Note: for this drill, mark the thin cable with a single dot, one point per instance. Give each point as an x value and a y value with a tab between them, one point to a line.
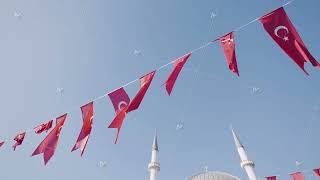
104	95
256	19
289	2
201	47
245	25
163	66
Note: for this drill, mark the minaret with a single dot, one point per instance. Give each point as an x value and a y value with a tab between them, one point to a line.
246	164
154	165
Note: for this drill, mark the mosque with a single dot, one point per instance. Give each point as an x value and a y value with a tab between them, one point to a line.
246	164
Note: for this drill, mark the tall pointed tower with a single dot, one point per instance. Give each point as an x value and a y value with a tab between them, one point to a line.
154	165
246	164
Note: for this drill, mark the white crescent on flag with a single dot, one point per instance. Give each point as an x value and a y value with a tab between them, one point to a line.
119	99
122	104
276	30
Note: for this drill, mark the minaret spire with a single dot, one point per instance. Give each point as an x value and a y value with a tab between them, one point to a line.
154	165
236	139
155	142
246	164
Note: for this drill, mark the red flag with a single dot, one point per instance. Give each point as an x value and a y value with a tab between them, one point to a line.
19	139
49	144
87	116
1	144
271	178
119	99
280	28
297	176
178	65
145	82
117	121
228	44
317	171
43	127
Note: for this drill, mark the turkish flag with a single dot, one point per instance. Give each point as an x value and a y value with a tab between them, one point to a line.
178	65
1	144
317	171
297	176
271	178
282	31
43	127
50	143
87	116
19	139
119	99
228	44
145	82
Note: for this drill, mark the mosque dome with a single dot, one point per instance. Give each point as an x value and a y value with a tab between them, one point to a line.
213	175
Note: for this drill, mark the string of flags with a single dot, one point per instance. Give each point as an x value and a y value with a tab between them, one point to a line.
296	175
276	23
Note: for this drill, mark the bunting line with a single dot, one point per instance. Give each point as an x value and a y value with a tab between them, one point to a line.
169	63
163	66
309	171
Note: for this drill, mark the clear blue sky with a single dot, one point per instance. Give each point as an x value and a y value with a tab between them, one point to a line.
86	47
